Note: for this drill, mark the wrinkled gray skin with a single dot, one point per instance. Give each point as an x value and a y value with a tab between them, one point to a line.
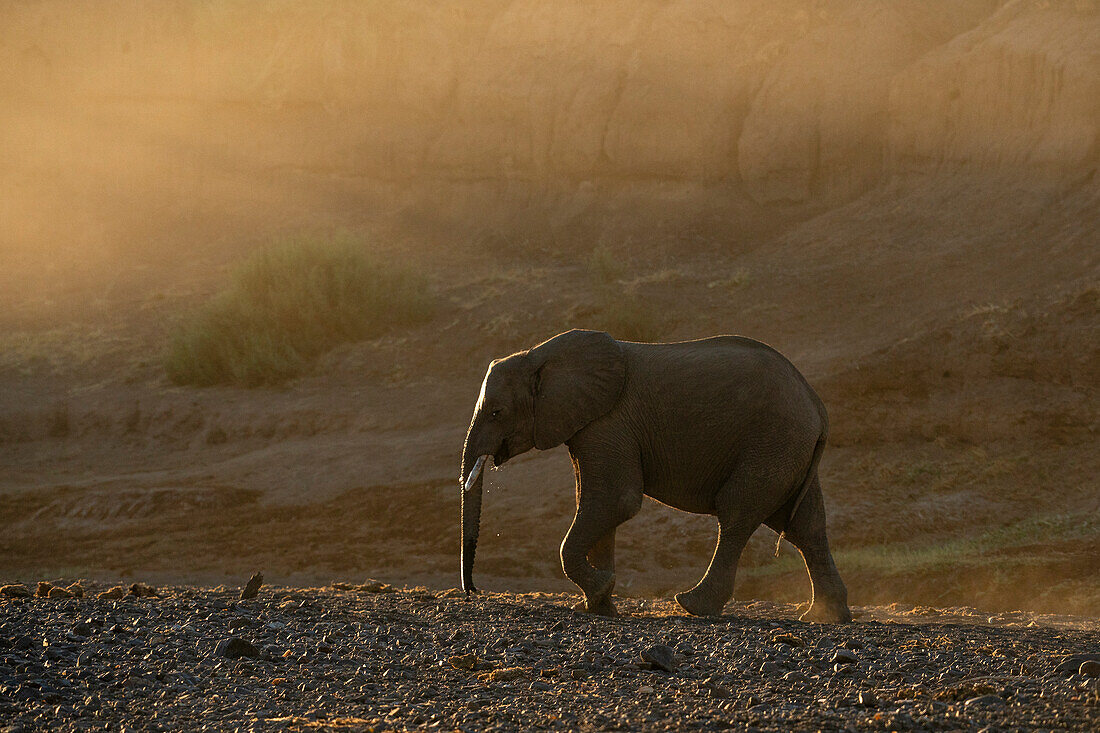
723	426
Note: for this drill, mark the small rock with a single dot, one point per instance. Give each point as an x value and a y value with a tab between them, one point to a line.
15	590
506	674
844	656
788	639
44	589
867	699
660	656
376	586
1089	668
985	701
794	677
1071	663
142	591
83	629
463	661
645	690
717	691
113	594
235	647
253	587
541	686
76	589
58	592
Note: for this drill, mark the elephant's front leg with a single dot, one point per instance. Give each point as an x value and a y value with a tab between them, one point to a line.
605	499
591	564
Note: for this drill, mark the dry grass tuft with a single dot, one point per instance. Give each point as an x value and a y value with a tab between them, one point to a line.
288	303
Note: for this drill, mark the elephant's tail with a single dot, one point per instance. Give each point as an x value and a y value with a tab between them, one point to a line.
806	483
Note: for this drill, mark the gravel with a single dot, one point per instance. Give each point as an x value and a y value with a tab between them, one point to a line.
373	657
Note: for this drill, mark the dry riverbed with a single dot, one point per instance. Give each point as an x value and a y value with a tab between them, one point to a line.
372	658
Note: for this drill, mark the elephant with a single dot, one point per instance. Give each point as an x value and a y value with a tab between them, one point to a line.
724	426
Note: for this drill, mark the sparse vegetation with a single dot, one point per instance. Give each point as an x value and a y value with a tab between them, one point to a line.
990	548
603	267
288	303
629	316
736	280
621	309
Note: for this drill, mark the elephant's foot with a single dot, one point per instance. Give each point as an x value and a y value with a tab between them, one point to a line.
597	599
602	607
700	603
823	612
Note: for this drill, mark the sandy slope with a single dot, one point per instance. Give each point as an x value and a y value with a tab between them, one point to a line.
903	200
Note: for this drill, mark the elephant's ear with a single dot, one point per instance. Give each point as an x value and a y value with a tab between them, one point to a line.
578	377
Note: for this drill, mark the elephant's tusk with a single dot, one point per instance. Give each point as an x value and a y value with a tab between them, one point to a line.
479	464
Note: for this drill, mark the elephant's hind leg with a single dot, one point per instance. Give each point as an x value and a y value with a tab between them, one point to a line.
829	602
711	594
750	495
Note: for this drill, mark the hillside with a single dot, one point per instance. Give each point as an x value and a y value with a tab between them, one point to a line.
903	199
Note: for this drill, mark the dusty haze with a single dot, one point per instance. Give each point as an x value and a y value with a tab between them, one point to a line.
900	196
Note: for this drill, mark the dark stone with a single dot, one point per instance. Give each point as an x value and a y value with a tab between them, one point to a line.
142	591
253	587
235	647
844	656
660	656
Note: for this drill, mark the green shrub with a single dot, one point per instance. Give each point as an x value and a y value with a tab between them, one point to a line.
288	303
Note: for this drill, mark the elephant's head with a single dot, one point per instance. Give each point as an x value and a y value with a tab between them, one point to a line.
534	399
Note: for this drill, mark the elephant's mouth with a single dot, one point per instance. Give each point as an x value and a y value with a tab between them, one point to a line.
503	454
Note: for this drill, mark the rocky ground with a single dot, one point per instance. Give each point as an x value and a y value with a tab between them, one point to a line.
370	657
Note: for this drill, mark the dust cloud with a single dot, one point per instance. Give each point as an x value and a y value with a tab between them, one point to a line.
902	196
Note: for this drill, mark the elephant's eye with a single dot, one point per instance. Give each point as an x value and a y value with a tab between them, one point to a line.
494	413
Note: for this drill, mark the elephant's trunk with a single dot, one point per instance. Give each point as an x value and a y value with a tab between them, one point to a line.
471	516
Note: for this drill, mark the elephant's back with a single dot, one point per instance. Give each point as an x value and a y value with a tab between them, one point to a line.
718	365
702	408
